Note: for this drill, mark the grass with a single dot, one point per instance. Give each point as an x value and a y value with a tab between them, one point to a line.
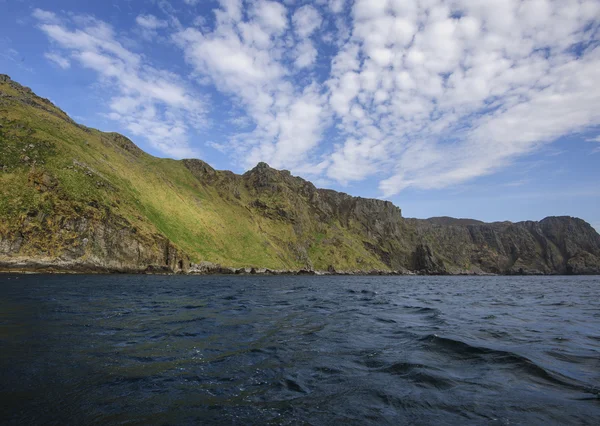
95	177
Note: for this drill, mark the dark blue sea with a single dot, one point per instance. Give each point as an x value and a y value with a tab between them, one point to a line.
177	350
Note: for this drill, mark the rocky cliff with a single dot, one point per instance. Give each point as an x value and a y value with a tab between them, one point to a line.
77	199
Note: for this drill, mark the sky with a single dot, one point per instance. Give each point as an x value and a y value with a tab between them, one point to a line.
465	108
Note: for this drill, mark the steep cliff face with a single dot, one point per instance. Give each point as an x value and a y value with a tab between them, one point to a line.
87	244
443	245
76	199
554	245
52	231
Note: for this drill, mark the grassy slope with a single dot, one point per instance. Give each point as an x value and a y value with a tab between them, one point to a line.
89	169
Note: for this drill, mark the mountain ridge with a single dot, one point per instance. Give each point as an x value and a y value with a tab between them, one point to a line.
75	199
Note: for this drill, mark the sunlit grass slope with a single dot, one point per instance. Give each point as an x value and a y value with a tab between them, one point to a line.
53	169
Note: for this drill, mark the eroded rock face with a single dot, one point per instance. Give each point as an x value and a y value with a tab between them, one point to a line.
546	247
77	212
125	143
201	170
556	245
424	260
88	245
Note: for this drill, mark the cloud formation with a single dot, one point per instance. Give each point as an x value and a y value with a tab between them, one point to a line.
59	60
150	22
248	59
418	94
149	102
440	92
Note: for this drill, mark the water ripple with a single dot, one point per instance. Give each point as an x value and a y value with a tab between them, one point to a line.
299	350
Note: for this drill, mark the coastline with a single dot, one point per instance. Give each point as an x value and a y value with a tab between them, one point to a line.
209	269
75	200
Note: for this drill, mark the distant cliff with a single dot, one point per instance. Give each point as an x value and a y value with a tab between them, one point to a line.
77	199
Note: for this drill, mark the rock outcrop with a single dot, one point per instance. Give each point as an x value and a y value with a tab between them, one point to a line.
74	199
87	243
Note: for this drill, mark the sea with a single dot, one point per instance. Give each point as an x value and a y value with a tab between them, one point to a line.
299	350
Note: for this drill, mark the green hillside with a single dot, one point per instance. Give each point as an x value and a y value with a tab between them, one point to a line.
78	199
55	171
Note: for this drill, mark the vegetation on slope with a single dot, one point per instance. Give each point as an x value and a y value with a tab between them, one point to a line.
54	170
84	199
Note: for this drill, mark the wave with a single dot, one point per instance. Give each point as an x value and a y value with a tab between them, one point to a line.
422	309
185	321
464	351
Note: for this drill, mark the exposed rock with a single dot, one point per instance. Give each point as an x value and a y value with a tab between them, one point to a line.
42	181
125	143
451	221
95	215
209	268
583	264
201	170
424	260
89	245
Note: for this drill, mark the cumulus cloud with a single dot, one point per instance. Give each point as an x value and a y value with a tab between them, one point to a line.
306	55
149	102
336	6
415	94
271	15
245	58
439	92
306	20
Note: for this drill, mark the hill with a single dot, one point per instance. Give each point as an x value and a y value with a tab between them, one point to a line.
78	199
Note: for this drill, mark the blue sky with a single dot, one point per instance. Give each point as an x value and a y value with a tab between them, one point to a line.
489	110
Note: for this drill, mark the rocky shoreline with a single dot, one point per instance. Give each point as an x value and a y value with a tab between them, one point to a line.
211	269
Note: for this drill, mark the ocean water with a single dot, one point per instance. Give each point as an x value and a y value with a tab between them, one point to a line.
170	350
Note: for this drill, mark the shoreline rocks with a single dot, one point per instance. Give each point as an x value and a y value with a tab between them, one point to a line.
26	266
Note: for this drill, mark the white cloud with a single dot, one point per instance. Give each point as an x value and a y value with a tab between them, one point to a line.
148	102
149	25
440	92
45	16
271	15
306	55
336	6
245	58
306	20
150	22
423	94
241	121
59	60
222	148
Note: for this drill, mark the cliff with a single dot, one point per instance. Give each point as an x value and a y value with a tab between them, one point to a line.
77	199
